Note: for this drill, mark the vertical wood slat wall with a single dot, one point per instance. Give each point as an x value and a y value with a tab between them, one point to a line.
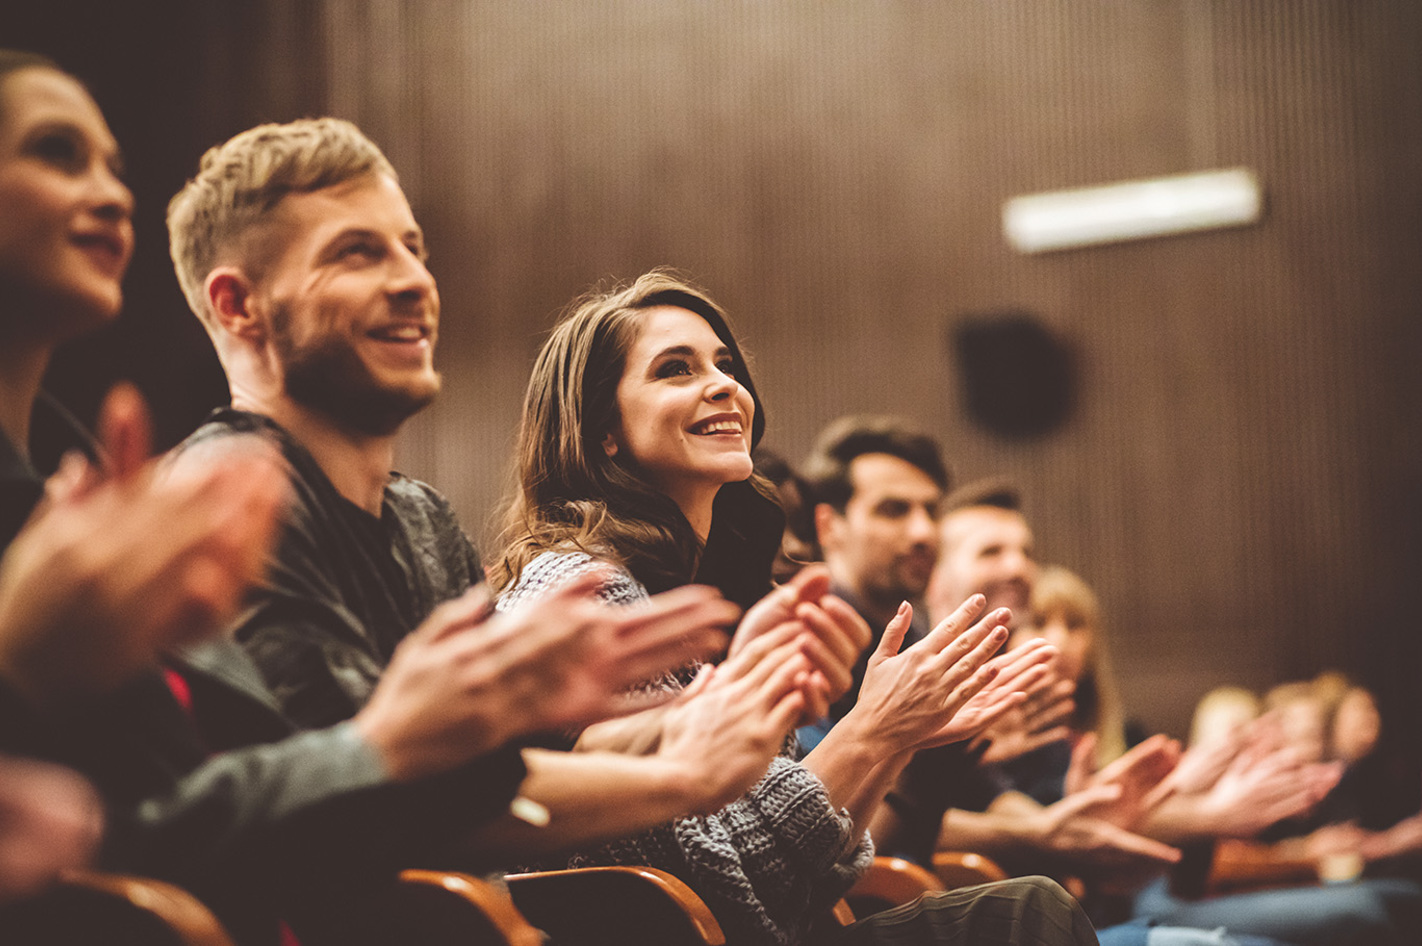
1240	477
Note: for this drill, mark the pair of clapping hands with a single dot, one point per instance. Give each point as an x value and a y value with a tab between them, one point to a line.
793	655
124	561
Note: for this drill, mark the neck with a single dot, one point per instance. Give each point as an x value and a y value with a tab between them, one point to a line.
22	367
358	465
697	506
877	610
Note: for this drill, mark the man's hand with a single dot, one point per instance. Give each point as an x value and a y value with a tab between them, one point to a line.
1018	672
1091	845
1259	788
116	567
50	821
1142	775
466	682
1038	721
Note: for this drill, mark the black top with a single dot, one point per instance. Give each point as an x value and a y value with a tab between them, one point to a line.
344	587
936	779
276	823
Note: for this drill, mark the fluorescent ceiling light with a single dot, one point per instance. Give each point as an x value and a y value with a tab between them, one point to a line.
1132	210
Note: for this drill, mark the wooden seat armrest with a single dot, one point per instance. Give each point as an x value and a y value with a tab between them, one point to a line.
445	907
614	905
92	906
964	868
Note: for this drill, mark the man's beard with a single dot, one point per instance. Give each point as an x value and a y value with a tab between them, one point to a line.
329	377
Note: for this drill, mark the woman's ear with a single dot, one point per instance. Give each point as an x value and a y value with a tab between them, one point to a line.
609	444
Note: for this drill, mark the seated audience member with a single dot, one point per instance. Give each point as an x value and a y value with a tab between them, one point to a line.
635	463
1222	716
877	485
1233	791
300	255
1352	830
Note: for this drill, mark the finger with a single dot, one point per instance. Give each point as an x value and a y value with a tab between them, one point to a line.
74	478
1135	845
894	633
953	625
1035	654
969	653
693	604
1074	804
786	713
811	583
817	697
125	431
756	651
473	607
785	659
850	621
837	677
1083	762
997	709
670	651
841	628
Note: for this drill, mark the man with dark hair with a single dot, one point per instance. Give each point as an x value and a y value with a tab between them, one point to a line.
876	484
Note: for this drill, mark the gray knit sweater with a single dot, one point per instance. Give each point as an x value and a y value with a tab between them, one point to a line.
767	863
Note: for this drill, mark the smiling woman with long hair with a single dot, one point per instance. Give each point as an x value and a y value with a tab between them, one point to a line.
66	236
670	503
634	459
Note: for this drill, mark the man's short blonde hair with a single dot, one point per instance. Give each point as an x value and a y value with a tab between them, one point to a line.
240	182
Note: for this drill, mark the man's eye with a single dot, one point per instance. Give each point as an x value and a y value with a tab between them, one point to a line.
360	250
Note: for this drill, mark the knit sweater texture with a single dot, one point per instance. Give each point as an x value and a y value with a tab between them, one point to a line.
767	863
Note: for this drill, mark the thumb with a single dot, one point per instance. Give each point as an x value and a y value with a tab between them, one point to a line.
894	634
125	431
1083	763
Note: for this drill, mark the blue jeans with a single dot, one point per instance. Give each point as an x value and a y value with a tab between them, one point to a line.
1369	912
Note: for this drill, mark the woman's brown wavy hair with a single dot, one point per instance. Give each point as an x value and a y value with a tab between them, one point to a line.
572	495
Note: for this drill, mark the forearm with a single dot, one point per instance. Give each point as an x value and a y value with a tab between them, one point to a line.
589	797
1179	819
637	734
1007	829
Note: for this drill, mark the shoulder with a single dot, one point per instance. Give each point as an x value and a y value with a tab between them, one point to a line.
553	569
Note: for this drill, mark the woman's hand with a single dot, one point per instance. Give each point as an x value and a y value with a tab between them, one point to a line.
908	700
735	721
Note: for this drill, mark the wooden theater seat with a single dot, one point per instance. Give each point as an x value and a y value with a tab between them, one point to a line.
963	869
603	906
113	909
444	908
889	882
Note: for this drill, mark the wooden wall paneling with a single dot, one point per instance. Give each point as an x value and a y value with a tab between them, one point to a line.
1245	422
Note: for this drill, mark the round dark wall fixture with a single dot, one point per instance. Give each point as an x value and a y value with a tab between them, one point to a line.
1019	378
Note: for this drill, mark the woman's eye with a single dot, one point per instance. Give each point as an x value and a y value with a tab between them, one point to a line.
674	368
59	150
728	366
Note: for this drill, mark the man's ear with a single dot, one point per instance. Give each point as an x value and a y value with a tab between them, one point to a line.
609	444
827	526
229	298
